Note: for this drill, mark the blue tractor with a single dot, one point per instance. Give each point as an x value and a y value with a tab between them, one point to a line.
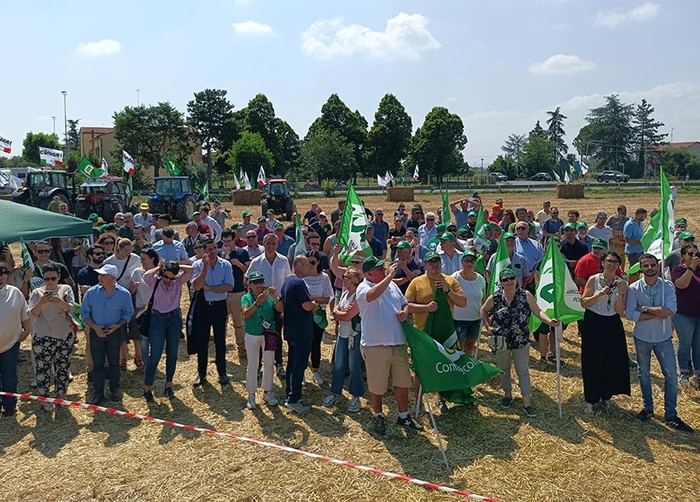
173	195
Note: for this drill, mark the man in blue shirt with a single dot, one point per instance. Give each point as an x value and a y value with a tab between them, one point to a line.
531	250
651	302
375	244
106	309
284	241
633	232
214	276
381	228
170	249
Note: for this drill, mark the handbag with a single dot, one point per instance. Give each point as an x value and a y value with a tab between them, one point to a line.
144	320
270	340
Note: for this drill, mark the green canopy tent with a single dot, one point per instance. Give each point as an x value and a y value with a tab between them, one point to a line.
32	224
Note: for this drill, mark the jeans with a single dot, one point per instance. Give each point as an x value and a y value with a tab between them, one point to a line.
347	358
109	347
254	344
297	360
8	375
521	358
688	330
316	348
215	317
164	332
667	361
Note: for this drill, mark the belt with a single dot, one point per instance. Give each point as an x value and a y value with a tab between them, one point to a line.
214	302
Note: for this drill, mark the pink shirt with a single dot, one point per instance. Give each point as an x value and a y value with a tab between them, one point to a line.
167	296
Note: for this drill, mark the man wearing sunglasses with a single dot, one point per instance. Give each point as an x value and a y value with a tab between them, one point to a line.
42	250
15	326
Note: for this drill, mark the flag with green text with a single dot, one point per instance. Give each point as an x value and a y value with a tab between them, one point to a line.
171	168
87	169
353	226
481	243
501	261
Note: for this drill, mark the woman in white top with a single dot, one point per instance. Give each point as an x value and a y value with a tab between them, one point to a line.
143	292
53	335
468	319
604	358
321	291
347	355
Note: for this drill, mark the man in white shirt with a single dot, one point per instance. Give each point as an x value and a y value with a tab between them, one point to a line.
144	218
427	230
254	249
600	230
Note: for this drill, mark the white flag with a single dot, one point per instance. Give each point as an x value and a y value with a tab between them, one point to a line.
584	168
105	167
50	157
5	145
556	176
567	178
381	181
128	162
246	182
236	182
416	173
388	177
262	181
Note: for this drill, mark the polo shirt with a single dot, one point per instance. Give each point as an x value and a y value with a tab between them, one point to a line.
412	266
422	291
218	275
574	251
531	250
517	263
604	233
425	234
284	245
298	323
171	252
450	265
104	309
144	221
380	326
275	273
633	230
381	232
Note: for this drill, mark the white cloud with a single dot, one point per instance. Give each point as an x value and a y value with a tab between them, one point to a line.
613	18
561	64
252	29
405	37
105	47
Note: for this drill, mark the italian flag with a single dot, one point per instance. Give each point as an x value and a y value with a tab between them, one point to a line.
5	145
50	157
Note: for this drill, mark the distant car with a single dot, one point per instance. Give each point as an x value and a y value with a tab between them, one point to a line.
498	177
541	177
615	176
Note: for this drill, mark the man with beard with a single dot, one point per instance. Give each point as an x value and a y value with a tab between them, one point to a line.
87	278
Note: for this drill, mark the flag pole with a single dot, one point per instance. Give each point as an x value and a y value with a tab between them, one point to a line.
437	434
418	401
557	333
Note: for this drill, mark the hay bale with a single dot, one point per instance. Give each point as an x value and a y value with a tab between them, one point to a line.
399	194
246	197
570	191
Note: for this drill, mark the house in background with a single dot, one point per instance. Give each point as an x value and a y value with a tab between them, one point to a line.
692	146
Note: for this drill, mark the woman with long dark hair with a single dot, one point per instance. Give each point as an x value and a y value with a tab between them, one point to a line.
321	291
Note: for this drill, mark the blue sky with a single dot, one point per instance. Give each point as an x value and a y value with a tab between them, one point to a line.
500	65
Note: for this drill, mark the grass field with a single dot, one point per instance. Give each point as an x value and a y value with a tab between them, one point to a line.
81	455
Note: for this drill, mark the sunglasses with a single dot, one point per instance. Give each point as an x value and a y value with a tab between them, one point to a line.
4	271
521	228
430	219
47	279
43	251
508	279
98	254
250	236
691	253
469	260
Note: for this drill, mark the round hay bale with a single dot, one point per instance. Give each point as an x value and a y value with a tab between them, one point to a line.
570	191
399	194
246	197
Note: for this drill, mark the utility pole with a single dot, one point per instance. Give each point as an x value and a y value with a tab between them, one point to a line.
65	125
53	117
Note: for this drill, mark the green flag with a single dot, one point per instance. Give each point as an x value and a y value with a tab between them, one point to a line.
556	293
301	242
480	266
437	360
352	228
446	216
27	262
501	261
205	191
88	170
481	243
171	168
658	236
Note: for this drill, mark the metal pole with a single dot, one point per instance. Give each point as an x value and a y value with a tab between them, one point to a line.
53	117
65	124
557	334
437	434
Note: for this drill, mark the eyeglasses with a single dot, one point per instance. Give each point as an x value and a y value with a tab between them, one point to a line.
98	254
47	279
4	271
612	262
508	279
169	277
43	251
250	236
521	228
649	265
258	282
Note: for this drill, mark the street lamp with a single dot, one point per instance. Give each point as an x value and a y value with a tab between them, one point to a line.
65	124
53	117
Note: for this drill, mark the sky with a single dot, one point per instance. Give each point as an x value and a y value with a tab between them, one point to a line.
500	65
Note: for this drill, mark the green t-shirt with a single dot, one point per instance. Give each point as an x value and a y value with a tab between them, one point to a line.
266	311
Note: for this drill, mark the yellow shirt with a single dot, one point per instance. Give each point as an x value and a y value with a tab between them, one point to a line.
422	290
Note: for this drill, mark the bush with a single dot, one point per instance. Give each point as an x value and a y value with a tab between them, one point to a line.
328	189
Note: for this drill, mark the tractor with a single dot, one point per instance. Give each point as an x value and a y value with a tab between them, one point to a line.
104	196
277	198
173	195
40	187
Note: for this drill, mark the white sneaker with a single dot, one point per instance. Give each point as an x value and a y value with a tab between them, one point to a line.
354	404
251	402
330	400
270	399
317	378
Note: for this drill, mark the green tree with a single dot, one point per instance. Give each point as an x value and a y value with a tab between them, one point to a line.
555	132
389	138
208	115
645	136
513	149
327	155
33	141
290	146
538	131
538	155
611	132
73	135
505	165
437	145
249	153
678	162
150	133
14	161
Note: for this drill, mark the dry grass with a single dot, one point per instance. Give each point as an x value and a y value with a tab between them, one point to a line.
80	455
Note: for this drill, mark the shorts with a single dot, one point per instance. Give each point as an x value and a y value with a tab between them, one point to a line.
382	361
467	330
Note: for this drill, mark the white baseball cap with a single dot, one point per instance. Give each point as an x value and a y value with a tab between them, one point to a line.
108	270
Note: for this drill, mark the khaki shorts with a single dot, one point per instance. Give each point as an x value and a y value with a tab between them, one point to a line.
382	361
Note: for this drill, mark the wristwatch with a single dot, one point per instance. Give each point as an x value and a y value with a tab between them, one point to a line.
644	309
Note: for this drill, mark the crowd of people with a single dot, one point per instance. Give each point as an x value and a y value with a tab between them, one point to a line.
130	275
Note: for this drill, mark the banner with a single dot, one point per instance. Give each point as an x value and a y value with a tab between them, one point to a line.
104	166
128	162
246	181
481	243
416	173
236	182
50	157
5	145
299	234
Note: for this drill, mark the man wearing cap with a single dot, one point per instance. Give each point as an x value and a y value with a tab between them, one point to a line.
163	220
219	214
681	227
284	242
238	235
193	238
126	231
170	249
591	263
119	220
407	268
493	243
496	214
582	235
552	225
240	261
543	214
106	310
415	220
383	344
144	218
428	230
381	228
600	230
213	275
460	213
261	230
434	241
203	228
337	213
517	261
572	249
633	232
312	213
271	219
530	249
211	222
674	257
447	252
247	224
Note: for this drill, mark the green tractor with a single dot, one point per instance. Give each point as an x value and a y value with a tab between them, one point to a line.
173	195
40	187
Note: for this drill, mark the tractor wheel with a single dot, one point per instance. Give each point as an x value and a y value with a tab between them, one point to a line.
289	209
184	209
82	209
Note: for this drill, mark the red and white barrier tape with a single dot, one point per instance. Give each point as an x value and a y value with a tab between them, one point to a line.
228	435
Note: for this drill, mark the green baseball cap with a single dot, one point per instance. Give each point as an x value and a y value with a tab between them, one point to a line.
681	221
599	243
236	226
93	217
448	236
247	213
462	230
685	236
581	224
403	245
471	213
196	213
278	225
430	256
505	272
509	235
256	276
545	202
370	263
487	226
270	211
468	253
499	201
569	226
261	218
441	227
